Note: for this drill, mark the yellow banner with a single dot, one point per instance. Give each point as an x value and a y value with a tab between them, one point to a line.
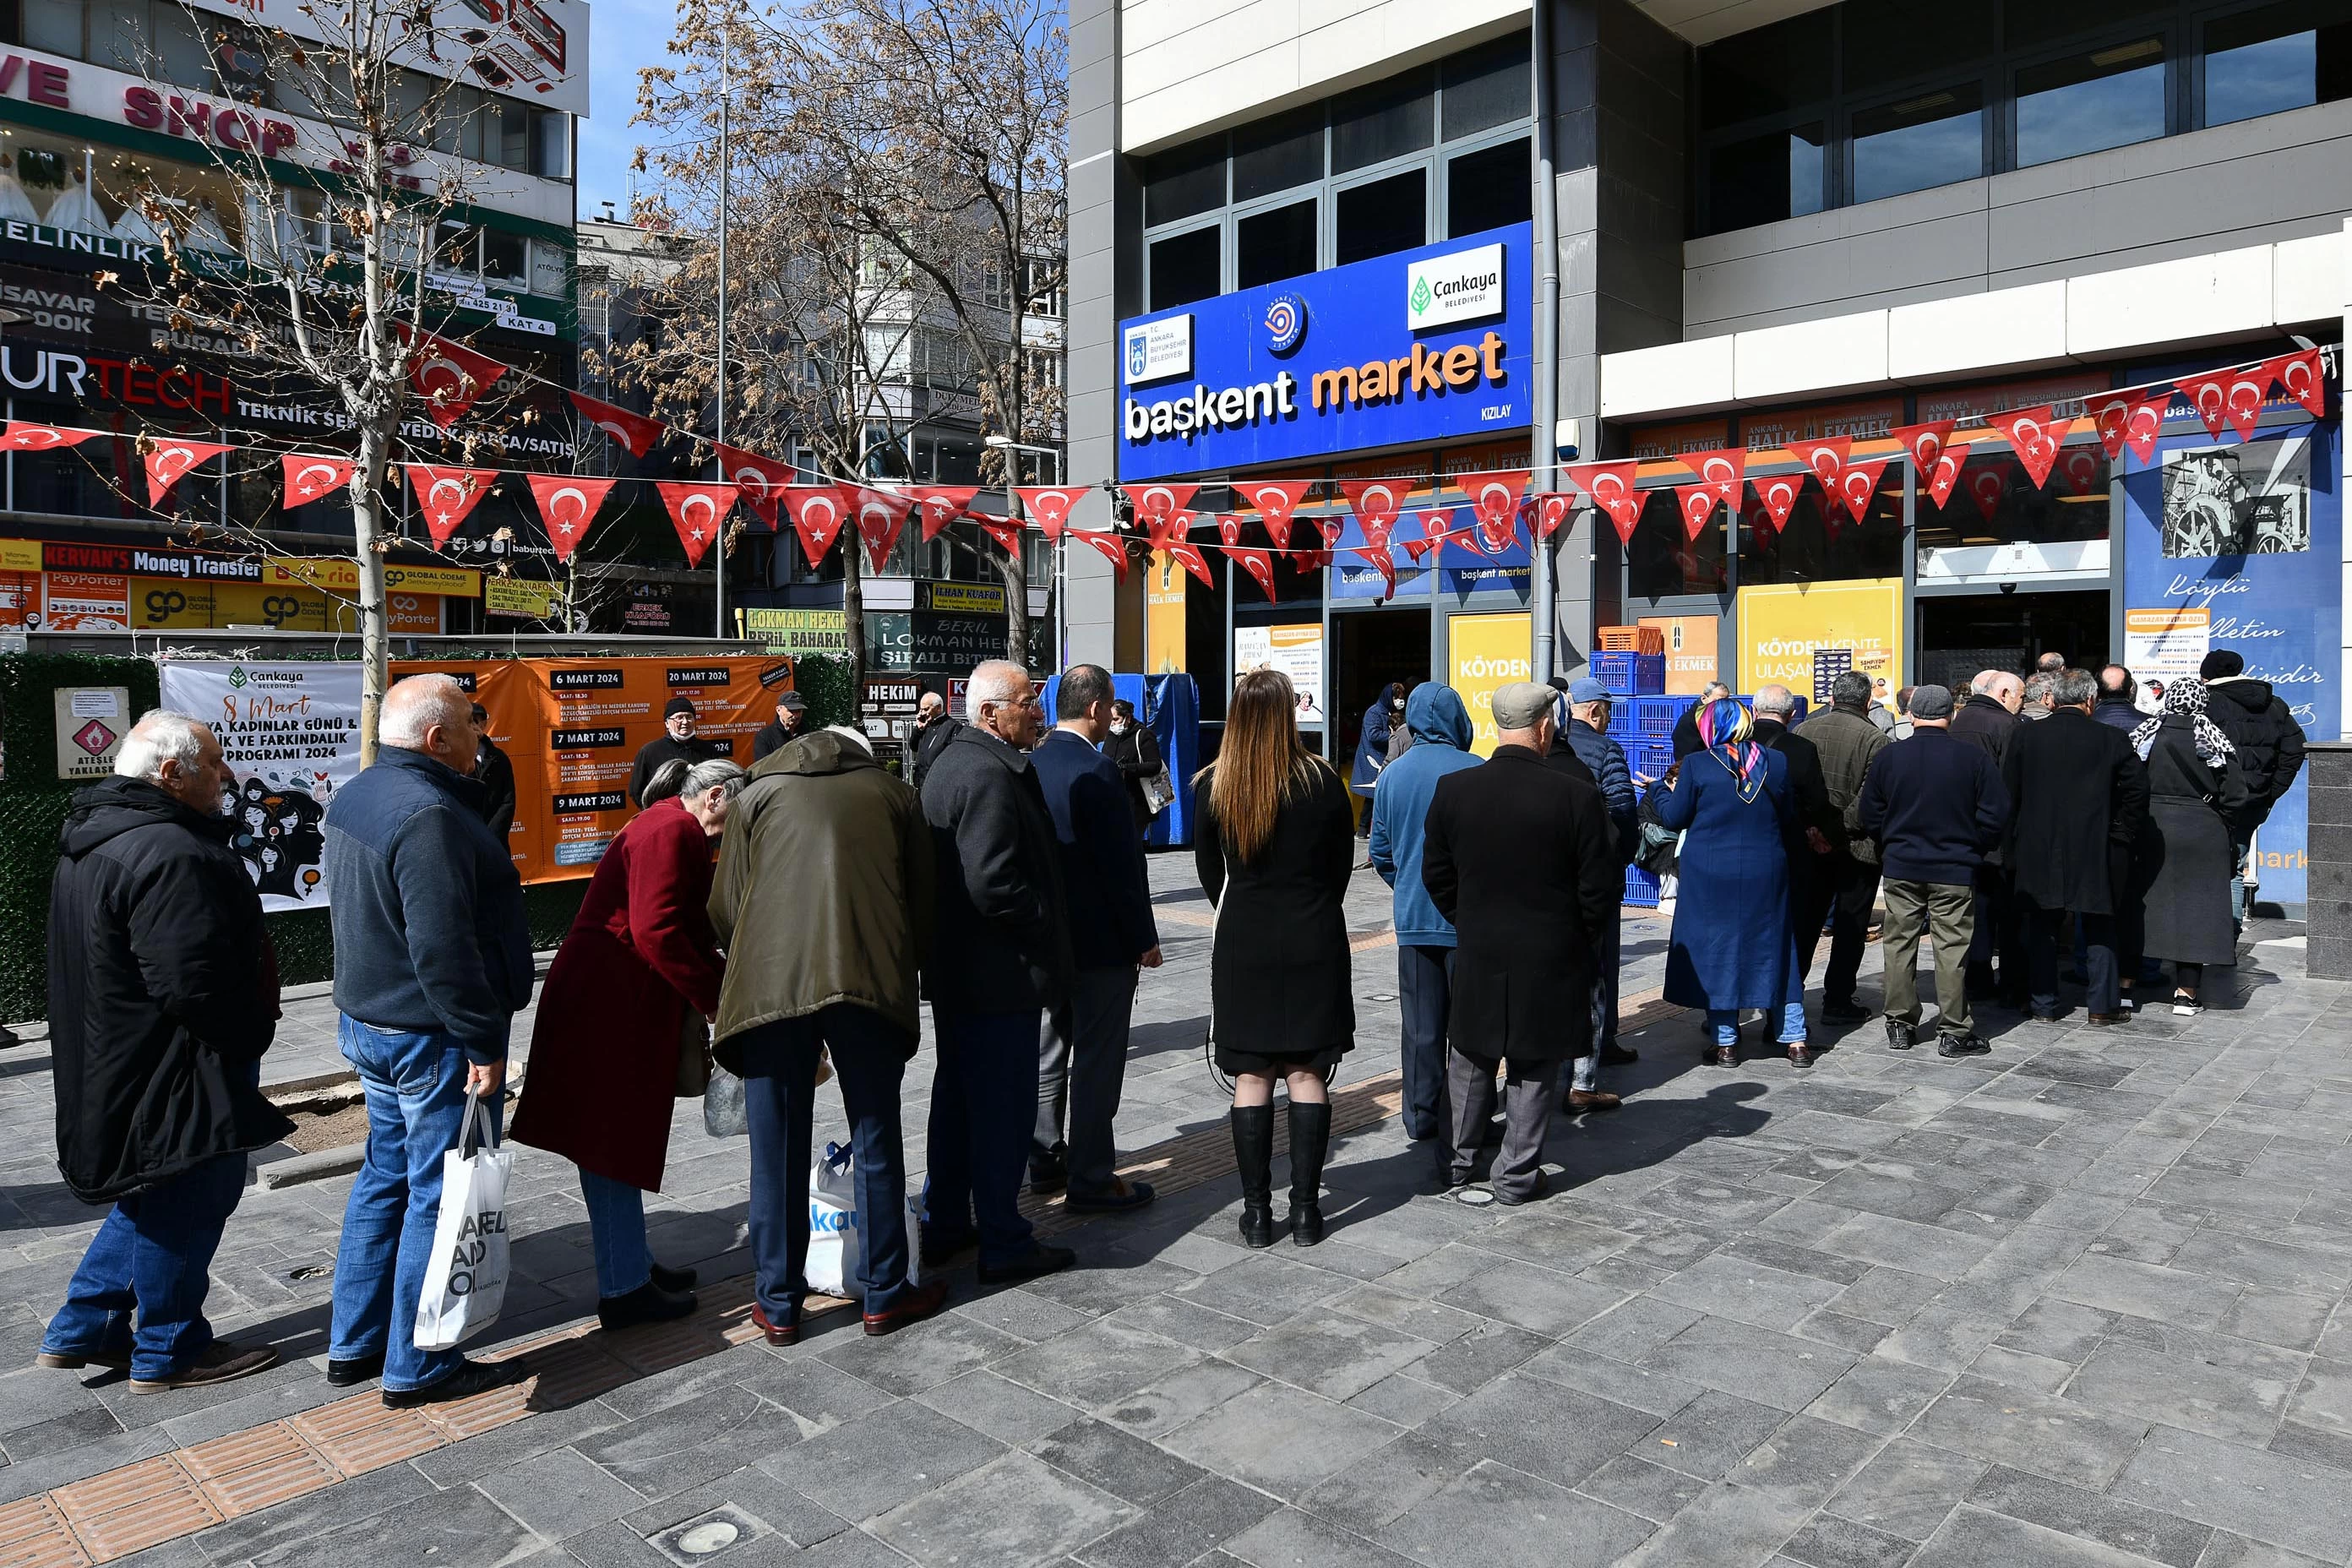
341	574
970	597
523	596
20	555
1485	654
1783	625
1165	616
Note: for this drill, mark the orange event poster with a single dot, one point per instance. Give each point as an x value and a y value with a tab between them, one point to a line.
573	729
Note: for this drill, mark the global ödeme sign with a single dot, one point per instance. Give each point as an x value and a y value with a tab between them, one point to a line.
1416	346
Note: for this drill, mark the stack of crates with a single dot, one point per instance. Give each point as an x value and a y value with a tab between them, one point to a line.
1645	727
1629	674
1641	888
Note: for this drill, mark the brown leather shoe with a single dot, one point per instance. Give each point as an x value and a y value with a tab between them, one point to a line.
221	1361
1584	1099
1800	1055
919	1303
2109	1020
778	1334
1721	1056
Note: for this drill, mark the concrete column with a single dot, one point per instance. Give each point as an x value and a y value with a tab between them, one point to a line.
1102	289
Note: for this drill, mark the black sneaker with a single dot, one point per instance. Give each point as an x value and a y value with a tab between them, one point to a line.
1961	1046
471	1377
359	1369
1619	1056
1900	1036
1844	1013
1037	1262
648	1303
673	1280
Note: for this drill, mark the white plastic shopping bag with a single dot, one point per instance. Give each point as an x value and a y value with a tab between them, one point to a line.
836	1242
465	1282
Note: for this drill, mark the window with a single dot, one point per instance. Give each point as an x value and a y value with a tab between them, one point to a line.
1383	216
1489	188
1764	178
1931	138
1994	503
1187	266
1822	546
1662	560
1387	120
1487	87
551	155
1269	247
2106	98
546	269
52	26
1884	44
1042	285
502	257
1772	70
1278	155
1179	183
2278	58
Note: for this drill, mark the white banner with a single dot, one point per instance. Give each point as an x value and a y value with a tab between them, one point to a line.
292	734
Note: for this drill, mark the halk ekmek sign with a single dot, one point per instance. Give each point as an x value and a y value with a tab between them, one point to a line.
1418	346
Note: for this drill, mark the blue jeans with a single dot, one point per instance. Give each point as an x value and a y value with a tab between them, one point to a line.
869	1058
616	1230
415	1089
1723	1024
2240	849
983	1103
154	1253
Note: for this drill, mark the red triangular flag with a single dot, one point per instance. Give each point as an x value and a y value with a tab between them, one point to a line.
1049	504
446	495
2110	417
1005	530
881	515
633	431
2210	395
1110	544
1924	444
1194	561
698	512
1857	484
1757	514
26	436
1382	558
567	505
1307	561
817	516
1779	495
1376	503
1720	470
168	462
1612	487
1551	510
1331	525
1949	461
448	375
2304	378
2243	402
1257	563
2035	437
1277	502
1698	502
1229	528
1989	485
762	481
939	505
1159	501
2079	468
310	477
1825	459
1160	528
1495	502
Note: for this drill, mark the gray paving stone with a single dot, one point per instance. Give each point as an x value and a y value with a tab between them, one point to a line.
1003	1409
1633	1329
1709	1434
2286	1502
1755	1364
1534	1298
1127	1468
1559	1433
873	1464
1363	1496
1012	1511
1637	1387
1415	1315
1094	1366
1973	1537
2228	1551
2204	1383
1336	1356
819	1394
1497	1515
1290	1538
1180	1529
1469	1362
1280	1439
1265	1289
1832	1543
1747	1291
1729	1524
457	1526
1187	1322
2146	1291
1405	1400
680	1445
923	1355
1637	1486
1909	1488
2162	1537
2047	1435
1879	1395
794	1520
1180	1397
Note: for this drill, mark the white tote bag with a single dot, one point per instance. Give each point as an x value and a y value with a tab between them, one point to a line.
465	1282
835	1239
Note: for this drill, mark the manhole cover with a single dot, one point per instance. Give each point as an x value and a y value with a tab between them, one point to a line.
313	1271
1379	996
1477	1197
708	1537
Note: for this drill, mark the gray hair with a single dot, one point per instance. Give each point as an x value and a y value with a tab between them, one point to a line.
160	736
2038	689
1713	689
1985	681
2073	688
415	705
1852	691
998	680
2050	663
1775	699
678	776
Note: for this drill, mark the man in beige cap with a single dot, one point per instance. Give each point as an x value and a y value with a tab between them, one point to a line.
1518	857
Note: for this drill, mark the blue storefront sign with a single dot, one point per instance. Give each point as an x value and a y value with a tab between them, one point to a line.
1425	345
2237	545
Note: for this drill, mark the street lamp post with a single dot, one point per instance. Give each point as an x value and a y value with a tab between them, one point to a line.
725	161
1011	449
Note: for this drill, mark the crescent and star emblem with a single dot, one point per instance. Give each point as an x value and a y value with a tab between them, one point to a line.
303	486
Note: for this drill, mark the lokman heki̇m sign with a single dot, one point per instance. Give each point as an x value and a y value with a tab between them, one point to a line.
1423	345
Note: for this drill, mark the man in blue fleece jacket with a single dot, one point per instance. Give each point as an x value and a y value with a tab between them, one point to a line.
1440	734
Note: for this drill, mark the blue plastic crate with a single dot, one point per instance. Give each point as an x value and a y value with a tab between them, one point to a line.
1641	888
1631	673
1649	759
1651	717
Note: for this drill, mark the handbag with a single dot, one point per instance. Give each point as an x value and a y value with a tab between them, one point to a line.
693	1055
465	1280
1158	791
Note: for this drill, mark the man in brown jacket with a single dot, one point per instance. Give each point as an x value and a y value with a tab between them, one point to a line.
1845	884
822	899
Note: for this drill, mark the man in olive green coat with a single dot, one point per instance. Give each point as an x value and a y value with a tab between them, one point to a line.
822	899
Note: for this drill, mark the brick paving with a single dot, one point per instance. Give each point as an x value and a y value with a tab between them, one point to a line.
2078	1303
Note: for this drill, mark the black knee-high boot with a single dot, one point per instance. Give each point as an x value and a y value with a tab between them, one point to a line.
1253	1156
1310	1140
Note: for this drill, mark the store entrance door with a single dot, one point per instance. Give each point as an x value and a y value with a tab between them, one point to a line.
1372	648
1960	635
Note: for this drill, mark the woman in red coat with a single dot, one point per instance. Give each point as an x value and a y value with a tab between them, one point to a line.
639	962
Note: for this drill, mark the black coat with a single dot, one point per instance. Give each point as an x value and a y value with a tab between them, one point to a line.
1280	976
496	775
1002	941
1518	857
772	737
662	750
2186	859
2268	741
1686	739
1136	755
2078	797
1108	892
924	749
1983	722
162	996
1807	789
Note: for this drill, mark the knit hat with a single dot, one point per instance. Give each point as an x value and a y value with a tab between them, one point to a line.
676	706
2222	664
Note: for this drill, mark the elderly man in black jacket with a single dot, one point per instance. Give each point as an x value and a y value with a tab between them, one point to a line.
1518	857
1000	960
2078	794
1987	721
162	1000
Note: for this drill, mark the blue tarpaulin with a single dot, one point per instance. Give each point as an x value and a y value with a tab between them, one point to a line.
1171	705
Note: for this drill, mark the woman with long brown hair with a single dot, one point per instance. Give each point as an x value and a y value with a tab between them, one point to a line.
1275	845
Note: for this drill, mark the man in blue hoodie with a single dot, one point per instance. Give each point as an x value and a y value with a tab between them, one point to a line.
1441	733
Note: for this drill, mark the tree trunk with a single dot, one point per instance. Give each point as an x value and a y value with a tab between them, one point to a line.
1014	570
853	619
368	532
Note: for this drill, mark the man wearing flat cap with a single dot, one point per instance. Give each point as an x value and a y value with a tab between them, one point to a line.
1518	856
678	741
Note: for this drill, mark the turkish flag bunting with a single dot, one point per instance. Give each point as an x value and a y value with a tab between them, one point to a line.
2243	400
698	512
761	480
446	495
1779	495
2110	417
448	375
169	462
1720	471
881	515
1858	484
1194	561
1160	527
634	431
1306	561
2081	468
1050	505
1495	501
310	477
1698	502
1383	559
1258	564
23	435
1229	528
1376	503
1551	510
1005	530
2210	395
1988	485
1759	514
1611	488
2304	378
1949	461
1437	527
1925	443
567	505
1277	502
817	515
1826	459
1111	545
1159	501
941	505
2035	437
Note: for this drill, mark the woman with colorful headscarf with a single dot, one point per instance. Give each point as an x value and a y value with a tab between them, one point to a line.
2194	784
1734	944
